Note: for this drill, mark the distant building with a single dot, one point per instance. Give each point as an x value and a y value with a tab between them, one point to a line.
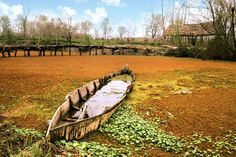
191	33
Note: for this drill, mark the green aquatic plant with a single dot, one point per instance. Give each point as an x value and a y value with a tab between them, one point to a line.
92	149
130	129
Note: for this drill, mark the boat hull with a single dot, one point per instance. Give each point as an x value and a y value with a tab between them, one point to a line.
78	129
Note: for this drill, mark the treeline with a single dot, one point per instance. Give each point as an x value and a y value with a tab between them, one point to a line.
43	30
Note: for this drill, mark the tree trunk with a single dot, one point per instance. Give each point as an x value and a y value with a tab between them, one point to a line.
233	29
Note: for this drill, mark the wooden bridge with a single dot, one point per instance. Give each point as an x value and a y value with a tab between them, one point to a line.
11	50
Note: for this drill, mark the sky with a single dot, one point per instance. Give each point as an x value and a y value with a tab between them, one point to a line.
130	13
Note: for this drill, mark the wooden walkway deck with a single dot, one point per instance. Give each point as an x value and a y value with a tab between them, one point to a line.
11	50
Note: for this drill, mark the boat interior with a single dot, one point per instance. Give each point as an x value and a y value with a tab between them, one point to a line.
74	108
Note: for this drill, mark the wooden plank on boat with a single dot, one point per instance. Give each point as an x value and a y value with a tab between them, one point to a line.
91	88
110	75
105	78
74	97
105	117
102	81
117	73
83	92
92	125
65	107
55	118
97	84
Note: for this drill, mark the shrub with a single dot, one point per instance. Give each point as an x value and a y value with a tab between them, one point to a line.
215	50
197	52
179	52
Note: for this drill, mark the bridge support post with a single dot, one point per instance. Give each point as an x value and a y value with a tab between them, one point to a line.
3	55
15	53
79	51
9	53
28	52
62	51
102	50
40	52
90	51
55	53
113	51
24	53
43	52
70	50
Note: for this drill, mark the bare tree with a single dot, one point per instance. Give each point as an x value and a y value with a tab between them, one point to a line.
162	16
122	30
134	31
31	29
58	32
96	33
173	12
185	4
177	27
177	24
223	17
68	29
153	25
86	26
6	29
40	25
44	28
23	21
106	27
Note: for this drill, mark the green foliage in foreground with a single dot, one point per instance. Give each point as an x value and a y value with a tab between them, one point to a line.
200	145
130	129
13	140
92	149
27	132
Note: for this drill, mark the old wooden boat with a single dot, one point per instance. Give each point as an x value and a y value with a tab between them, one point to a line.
89	106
